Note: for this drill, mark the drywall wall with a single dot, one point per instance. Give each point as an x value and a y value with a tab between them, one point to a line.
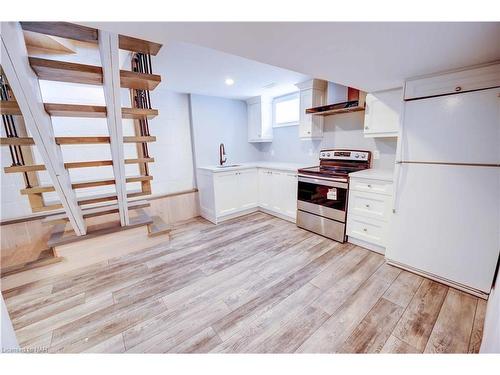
218	120
340	131
173	168
491	329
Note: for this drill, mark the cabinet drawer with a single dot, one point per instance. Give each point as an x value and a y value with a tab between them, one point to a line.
373	186
376	206
369	230
453	82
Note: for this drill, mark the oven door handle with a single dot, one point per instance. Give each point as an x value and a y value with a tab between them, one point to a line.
340	185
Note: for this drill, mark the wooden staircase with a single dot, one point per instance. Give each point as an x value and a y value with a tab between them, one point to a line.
37	122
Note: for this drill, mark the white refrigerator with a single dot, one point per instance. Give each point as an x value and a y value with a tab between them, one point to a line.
445	222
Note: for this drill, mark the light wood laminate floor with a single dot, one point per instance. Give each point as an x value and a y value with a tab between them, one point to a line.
255	284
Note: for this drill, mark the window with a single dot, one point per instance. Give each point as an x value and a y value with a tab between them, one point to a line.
286	110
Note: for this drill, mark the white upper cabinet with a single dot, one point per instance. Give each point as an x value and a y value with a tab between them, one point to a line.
382	113
312	94
259	112
469	79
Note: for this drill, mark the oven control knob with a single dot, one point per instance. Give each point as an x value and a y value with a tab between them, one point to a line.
328	154
356	156
322	154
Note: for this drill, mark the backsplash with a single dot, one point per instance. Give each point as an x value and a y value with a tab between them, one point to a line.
340	131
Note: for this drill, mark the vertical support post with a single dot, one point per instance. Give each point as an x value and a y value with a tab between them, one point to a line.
26	89
108	48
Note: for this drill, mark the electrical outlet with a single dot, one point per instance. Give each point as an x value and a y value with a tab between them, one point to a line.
376	154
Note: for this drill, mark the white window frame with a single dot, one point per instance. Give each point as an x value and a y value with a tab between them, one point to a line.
283	98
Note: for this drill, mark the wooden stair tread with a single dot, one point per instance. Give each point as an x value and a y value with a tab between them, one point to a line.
71	165
95	111
96	140
10	107
60	236
89	34
84	184
54	70
158	227
45	258
97	211
108	197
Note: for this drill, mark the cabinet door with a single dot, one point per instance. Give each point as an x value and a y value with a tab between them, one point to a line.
382	113
226	193
248	188
310	127
290	194
254	121
277	191
265	188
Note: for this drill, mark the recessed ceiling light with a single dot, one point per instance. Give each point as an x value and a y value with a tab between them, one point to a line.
229	81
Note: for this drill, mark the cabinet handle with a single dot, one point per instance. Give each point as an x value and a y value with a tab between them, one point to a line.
366	128
365	230
367	205
308	132
458	88
370	186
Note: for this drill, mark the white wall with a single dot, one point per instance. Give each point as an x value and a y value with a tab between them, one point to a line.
218	120
340	131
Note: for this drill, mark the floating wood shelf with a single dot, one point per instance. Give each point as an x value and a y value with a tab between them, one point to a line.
89	34
97	211
355	103
96	111
10	107
63	71
332	109
79	164
84	184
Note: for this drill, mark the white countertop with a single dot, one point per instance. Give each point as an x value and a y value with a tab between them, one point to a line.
374	174
292	167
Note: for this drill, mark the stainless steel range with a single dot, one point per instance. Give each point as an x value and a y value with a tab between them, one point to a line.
323	191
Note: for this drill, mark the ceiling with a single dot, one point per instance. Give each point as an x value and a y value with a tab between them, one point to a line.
199	70
367	55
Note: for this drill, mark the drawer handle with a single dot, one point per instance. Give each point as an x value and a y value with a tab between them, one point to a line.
365	230
458	88
369	186
367	205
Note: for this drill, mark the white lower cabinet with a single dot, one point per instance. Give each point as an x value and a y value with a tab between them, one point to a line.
225	195
368	212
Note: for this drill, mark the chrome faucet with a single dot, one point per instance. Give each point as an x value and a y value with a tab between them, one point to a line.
222	154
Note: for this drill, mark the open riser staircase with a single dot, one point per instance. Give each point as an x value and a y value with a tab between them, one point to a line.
27	123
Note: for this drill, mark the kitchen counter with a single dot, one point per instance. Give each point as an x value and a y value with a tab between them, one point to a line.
374	174
292	167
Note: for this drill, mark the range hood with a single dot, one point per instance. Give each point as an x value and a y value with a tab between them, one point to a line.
340	99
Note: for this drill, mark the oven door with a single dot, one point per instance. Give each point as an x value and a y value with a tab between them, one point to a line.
326	198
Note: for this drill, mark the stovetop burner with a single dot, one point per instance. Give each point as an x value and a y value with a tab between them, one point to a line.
339	163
